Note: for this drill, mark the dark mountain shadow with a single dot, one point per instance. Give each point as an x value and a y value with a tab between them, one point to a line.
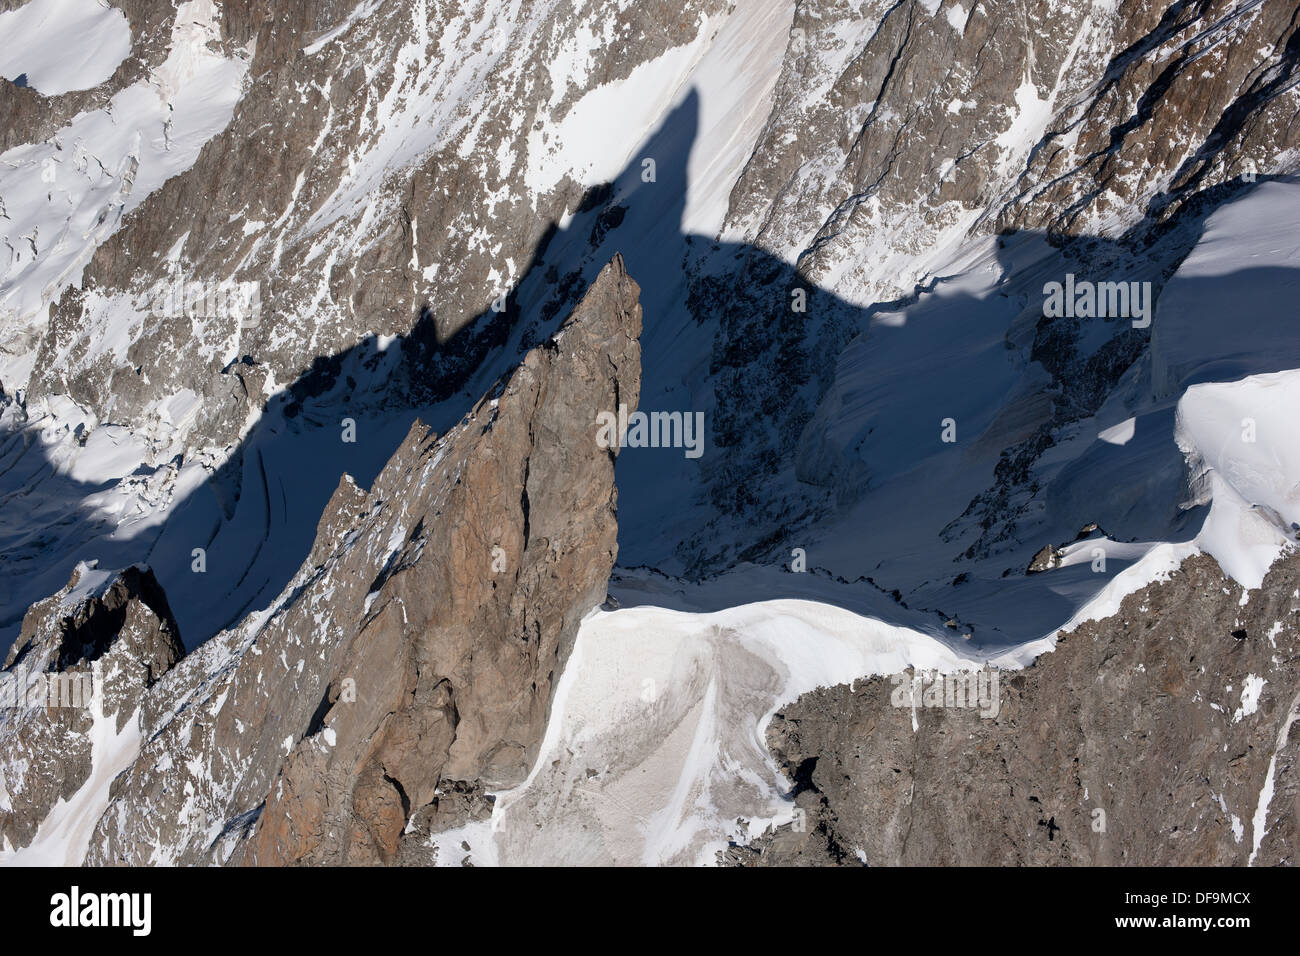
721	337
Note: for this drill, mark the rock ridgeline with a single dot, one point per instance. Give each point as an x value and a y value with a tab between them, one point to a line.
410	664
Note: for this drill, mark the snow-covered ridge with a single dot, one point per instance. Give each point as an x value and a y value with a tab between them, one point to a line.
655	749
1240	441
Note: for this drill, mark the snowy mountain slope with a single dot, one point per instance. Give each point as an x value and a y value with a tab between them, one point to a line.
64	197
382	213
61	45
419	191
1120	468
1252	484
655	752
209	432
614	724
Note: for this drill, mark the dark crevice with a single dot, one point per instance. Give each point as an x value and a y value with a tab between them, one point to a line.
322	711
401	793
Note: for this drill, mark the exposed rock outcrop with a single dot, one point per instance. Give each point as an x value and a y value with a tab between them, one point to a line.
89	653
1044	560
873	140
1164	735
436	184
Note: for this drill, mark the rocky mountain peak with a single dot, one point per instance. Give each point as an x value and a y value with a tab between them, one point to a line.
415	654
314	317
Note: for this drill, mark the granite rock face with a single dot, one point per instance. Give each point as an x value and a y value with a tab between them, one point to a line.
414	656
408	241
1164	735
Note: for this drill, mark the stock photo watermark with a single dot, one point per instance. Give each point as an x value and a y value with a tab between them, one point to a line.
21	688
177	297
683	430
963	690
1084	299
